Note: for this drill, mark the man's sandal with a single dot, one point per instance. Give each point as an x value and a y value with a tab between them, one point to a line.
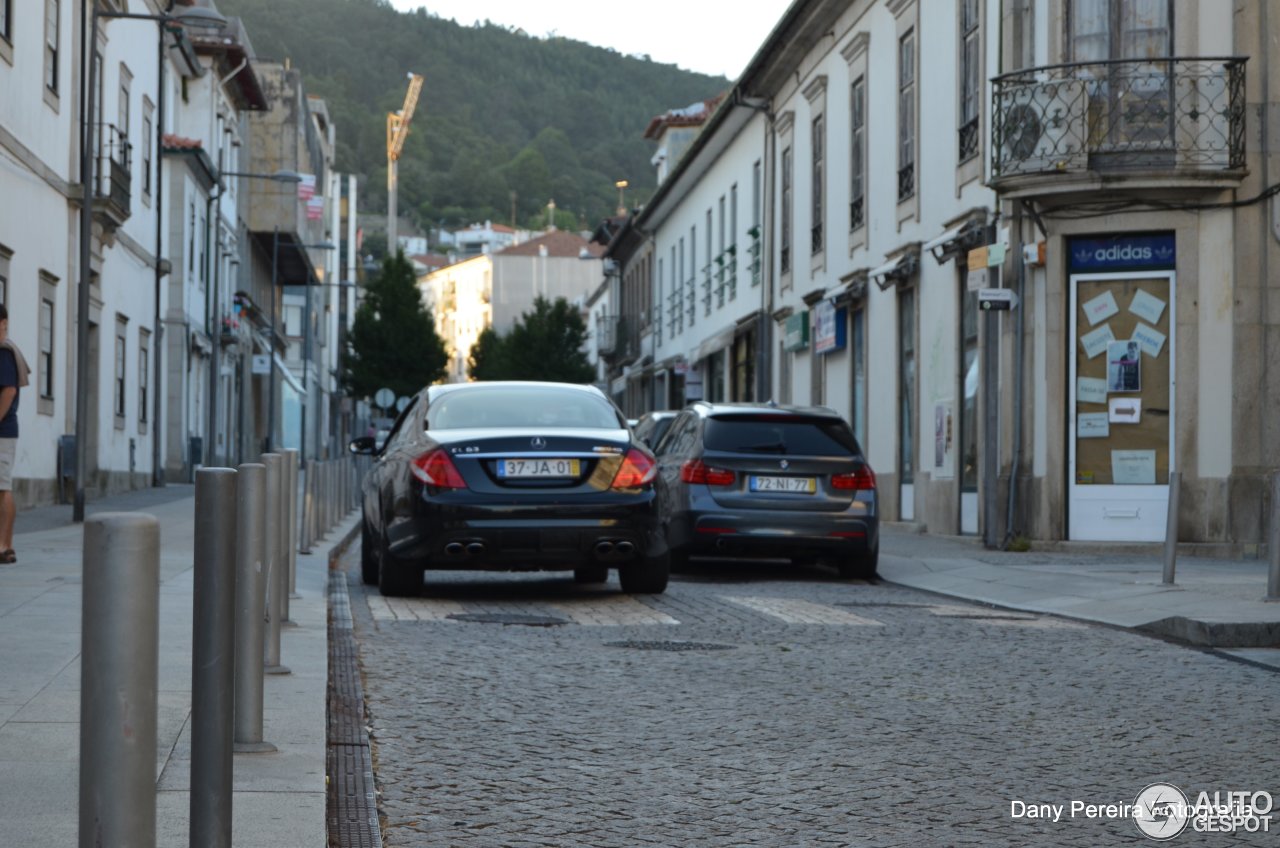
7	557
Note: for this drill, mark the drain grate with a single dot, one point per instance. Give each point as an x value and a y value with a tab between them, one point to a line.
639	645
351	807
508	618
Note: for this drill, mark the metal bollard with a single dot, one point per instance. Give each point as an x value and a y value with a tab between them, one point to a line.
292	535
274	562
1171	528
119	673
212	657
1273	541
251	602
304	523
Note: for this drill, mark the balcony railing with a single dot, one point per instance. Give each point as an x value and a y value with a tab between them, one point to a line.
1169	114
112	191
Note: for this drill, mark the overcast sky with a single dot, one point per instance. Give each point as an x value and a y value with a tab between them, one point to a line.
711	36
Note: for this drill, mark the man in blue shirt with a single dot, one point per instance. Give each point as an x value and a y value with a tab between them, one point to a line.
12	377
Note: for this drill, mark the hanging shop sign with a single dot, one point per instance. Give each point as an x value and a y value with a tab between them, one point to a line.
1124	252
795	333
829	323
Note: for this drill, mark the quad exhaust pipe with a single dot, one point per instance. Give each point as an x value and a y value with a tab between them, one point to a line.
458	549
614	549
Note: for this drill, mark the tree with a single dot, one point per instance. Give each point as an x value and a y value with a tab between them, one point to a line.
486	361
545	344
393	337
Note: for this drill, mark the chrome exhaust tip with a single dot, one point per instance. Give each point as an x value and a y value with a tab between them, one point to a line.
454	549
475	548
604	548
624	547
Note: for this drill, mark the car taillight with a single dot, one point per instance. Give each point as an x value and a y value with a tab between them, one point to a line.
697	471
436	468
637	469
860	480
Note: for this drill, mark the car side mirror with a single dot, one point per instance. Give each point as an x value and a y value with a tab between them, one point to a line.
362	445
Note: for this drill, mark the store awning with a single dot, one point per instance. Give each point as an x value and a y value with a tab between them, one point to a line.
960	239
852	286
287	375
897	271
719	341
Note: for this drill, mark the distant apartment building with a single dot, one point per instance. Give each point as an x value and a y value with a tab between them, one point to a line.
495	290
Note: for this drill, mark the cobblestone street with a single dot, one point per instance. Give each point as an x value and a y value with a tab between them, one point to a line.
774	705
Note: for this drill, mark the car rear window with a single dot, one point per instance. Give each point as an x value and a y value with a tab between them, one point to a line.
539	407
794	435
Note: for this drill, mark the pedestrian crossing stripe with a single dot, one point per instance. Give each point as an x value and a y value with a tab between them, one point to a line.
794	611
610	611
412	609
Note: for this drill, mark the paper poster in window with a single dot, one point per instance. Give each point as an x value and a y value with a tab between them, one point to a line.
1124	366
1096	341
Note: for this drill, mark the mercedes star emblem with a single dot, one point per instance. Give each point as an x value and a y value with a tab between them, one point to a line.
538	442
783	463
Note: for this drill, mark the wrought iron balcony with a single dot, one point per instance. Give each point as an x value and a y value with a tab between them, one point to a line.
1168	115
113	184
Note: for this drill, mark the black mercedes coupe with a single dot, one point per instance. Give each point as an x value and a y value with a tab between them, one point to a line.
511	476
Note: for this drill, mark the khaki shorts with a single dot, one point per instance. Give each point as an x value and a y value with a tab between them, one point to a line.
8	447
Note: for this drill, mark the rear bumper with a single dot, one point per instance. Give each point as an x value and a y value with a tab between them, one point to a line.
767	534
505	537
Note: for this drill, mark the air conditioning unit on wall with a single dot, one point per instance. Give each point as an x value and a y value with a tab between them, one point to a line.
1044	128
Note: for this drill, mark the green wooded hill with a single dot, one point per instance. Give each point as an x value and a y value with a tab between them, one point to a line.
501	111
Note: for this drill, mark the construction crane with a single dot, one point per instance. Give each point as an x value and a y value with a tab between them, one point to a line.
397	132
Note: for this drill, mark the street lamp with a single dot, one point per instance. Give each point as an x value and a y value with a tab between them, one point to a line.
195	16
215	366
271	379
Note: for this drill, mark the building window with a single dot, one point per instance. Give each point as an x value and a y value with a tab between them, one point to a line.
706	269
44	377
970	79
754	232
786	361
817	368
906	384
857	345
191	239
733	241
143	357
693	275
785	246
51	16
293	321
969	384
118	394
123	113
858	154
1120	29
657	320
6	20
818	166
146	142
907	115
5	256
744	366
